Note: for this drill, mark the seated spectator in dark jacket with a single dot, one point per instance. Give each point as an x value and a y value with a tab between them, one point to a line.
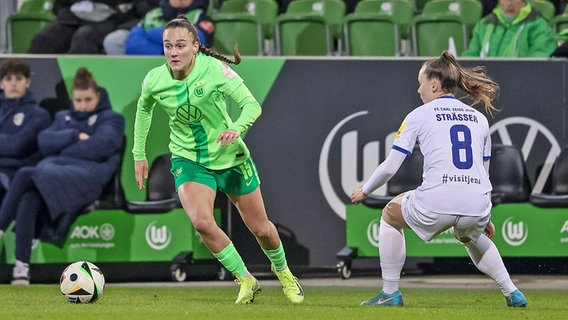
21	119
114	42
81	25
146	38
82	153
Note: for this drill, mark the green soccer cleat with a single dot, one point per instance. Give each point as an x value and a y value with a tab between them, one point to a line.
517	299
290	285
250	287
382	299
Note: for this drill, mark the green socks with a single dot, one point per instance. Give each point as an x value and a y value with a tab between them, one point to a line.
231	260
277	257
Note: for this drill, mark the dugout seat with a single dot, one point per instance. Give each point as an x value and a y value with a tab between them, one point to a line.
558	196
408	177
112	196
508	175
161	195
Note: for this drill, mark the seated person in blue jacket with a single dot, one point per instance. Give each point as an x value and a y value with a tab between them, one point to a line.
81	152
21	119
146	38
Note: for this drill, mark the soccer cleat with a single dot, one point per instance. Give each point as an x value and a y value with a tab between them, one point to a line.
382	299
250	287
290	285
517	299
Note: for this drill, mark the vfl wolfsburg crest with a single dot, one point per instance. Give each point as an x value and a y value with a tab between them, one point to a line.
198	92
188	114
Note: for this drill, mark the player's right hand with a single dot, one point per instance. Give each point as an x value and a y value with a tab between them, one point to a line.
358	195
140	172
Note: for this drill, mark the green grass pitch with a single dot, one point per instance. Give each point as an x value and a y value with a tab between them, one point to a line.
216	302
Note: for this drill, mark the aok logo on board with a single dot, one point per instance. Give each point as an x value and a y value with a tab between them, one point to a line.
93	236
105	232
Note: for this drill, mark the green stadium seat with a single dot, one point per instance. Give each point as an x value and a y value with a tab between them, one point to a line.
470	11
545	7
560	22
246	23
441	26
309	27
23	25
376	27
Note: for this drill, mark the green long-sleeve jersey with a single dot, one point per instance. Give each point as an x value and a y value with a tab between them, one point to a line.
197	112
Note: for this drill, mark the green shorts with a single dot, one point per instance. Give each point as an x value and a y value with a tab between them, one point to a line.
238	180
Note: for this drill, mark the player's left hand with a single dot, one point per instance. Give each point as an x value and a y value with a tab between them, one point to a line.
358	195
228	136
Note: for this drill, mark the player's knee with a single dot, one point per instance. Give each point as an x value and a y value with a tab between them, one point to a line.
392	214
203	225
262	230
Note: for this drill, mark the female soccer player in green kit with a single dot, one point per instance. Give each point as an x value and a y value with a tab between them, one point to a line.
208	152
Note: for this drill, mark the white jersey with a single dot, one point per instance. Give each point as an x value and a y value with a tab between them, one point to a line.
454	139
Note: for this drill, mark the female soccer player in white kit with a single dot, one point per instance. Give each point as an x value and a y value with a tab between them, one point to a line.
455	192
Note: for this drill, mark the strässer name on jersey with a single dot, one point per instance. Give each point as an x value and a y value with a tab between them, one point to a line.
451	114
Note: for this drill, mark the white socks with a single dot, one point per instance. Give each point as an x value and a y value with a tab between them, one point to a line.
487	259
392	252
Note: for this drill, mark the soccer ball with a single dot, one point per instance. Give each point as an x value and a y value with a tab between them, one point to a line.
82	282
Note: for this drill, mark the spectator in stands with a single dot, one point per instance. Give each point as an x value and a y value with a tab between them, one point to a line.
146	38
82	153
208	150
513	29
21	119
113	43
81	26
